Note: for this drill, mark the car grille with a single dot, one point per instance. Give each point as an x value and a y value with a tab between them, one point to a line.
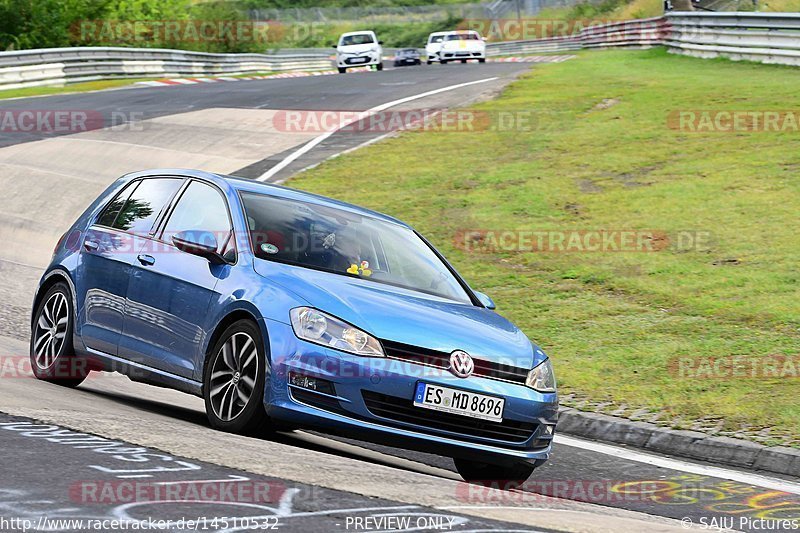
356	60
483	368
402	410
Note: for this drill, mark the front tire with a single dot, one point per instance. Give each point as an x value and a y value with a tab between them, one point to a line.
476	472
52	355
233	381
482	60
380	66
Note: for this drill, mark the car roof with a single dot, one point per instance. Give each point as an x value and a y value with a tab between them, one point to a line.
439	33
277	191
361	32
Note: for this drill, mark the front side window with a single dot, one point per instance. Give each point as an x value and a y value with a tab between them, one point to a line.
345	243
201	208
147	201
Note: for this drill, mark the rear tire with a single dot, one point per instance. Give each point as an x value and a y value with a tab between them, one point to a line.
485	473
428	62
233	381
52	355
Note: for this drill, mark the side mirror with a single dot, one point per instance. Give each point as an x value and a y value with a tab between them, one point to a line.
380	42
487	302
335	46
200	243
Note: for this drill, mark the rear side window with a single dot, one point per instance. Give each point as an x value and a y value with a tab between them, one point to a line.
200	208
109	214
144	205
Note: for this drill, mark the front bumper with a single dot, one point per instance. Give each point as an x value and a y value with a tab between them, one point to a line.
364	60
461	54
525	435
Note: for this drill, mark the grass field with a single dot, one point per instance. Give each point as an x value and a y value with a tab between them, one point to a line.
93	86
74	88
601	156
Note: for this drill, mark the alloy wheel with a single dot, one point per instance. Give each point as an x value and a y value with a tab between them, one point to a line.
233	376
51	329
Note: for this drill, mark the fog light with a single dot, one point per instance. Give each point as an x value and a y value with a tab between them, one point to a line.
548	431
311	383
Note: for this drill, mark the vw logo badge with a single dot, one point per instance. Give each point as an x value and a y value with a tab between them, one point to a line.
461	364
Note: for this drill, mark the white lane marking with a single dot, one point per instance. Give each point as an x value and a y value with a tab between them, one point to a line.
377	109
231	479
680	465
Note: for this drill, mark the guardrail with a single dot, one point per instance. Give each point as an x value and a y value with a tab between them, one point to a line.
762	37
641	33
58	66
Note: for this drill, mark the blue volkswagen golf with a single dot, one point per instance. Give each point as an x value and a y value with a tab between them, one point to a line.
283	309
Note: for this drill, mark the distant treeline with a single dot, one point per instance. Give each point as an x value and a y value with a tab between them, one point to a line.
213	26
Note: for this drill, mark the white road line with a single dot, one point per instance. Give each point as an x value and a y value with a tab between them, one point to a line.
231	479
680	465
377	109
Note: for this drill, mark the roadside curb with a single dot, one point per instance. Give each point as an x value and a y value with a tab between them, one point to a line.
688	444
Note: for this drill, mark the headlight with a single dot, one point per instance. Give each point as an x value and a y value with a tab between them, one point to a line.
321	328
542	378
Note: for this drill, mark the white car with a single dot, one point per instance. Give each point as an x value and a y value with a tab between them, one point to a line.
358	49
435	40
462	45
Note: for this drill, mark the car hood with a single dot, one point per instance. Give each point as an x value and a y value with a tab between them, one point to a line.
357	48
405	316
463	45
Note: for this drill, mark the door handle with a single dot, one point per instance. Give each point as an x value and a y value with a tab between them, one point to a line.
147	260
91	246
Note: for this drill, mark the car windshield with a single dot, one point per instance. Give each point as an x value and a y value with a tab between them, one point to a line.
436	38
346	243
360	38
462	37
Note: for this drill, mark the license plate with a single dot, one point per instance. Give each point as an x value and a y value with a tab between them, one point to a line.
459	402
360	59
